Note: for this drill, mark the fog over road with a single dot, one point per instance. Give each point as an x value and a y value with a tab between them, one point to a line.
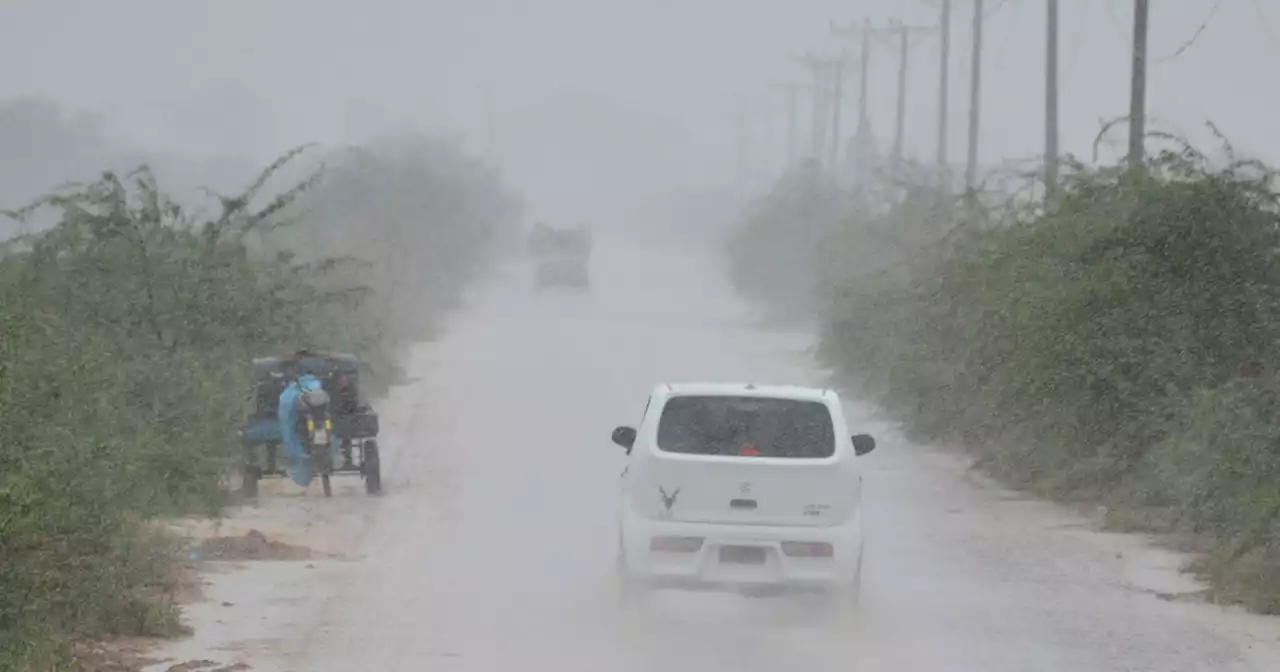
494	545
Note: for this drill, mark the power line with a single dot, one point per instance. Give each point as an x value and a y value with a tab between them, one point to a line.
935	26
862	136
828	75
1115	22
992	12
898	35
1076	42
1195	36
887	36
793	128
1014	14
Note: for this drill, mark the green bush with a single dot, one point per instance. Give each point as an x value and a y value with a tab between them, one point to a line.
1117	342
419	216
125	335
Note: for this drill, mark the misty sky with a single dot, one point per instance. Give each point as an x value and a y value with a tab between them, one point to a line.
608	101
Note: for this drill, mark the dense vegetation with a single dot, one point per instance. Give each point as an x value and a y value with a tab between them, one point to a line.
1118	342
125	334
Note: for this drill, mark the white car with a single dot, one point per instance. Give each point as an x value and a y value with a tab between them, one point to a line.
741	487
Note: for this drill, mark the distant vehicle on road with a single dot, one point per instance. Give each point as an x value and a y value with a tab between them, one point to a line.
742	487
560	256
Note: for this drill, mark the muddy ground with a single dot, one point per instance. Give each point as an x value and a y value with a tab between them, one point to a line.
493	545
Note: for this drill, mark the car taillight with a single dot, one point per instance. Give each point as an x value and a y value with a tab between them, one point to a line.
675	544
806	549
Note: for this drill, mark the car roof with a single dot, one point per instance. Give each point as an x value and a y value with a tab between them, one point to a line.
749	389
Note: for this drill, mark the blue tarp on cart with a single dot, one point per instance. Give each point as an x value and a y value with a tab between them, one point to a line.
301	470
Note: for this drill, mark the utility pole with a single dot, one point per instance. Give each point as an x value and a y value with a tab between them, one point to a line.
741	158
1051	100
901	114
975	98
793	130
814	65
769	154
1138	87
823	70
943	82
820	102
837	87
490	139
862	136
793	124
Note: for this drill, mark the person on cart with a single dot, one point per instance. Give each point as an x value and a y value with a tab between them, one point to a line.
301	469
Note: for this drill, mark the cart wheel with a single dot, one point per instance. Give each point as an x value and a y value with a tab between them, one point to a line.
346	454
249	481
372	468
324	483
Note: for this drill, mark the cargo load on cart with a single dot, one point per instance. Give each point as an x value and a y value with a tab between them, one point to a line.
310	420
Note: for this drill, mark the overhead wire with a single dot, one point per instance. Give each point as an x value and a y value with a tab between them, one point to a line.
1194	37
936	26
920	33
1076	43
1115	21
996	54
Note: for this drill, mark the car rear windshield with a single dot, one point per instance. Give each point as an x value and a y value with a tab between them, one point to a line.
746	426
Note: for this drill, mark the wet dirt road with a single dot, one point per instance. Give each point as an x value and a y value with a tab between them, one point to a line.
493	547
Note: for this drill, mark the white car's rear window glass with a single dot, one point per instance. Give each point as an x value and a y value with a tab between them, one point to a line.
746	427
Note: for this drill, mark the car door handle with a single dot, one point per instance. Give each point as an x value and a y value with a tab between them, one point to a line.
742	503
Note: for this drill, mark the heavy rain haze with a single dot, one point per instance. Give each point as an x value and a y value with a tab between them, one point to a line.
501	224
592	107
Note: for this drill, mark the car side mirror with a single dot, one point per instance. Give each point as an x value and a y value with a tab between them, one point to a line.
863	444
625	437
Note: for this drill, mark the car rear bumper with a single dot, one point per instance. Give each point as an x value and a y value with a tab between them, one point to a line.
705	568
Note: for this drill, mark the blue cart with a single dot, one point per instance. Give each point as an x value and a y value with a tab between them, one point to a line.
354	424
